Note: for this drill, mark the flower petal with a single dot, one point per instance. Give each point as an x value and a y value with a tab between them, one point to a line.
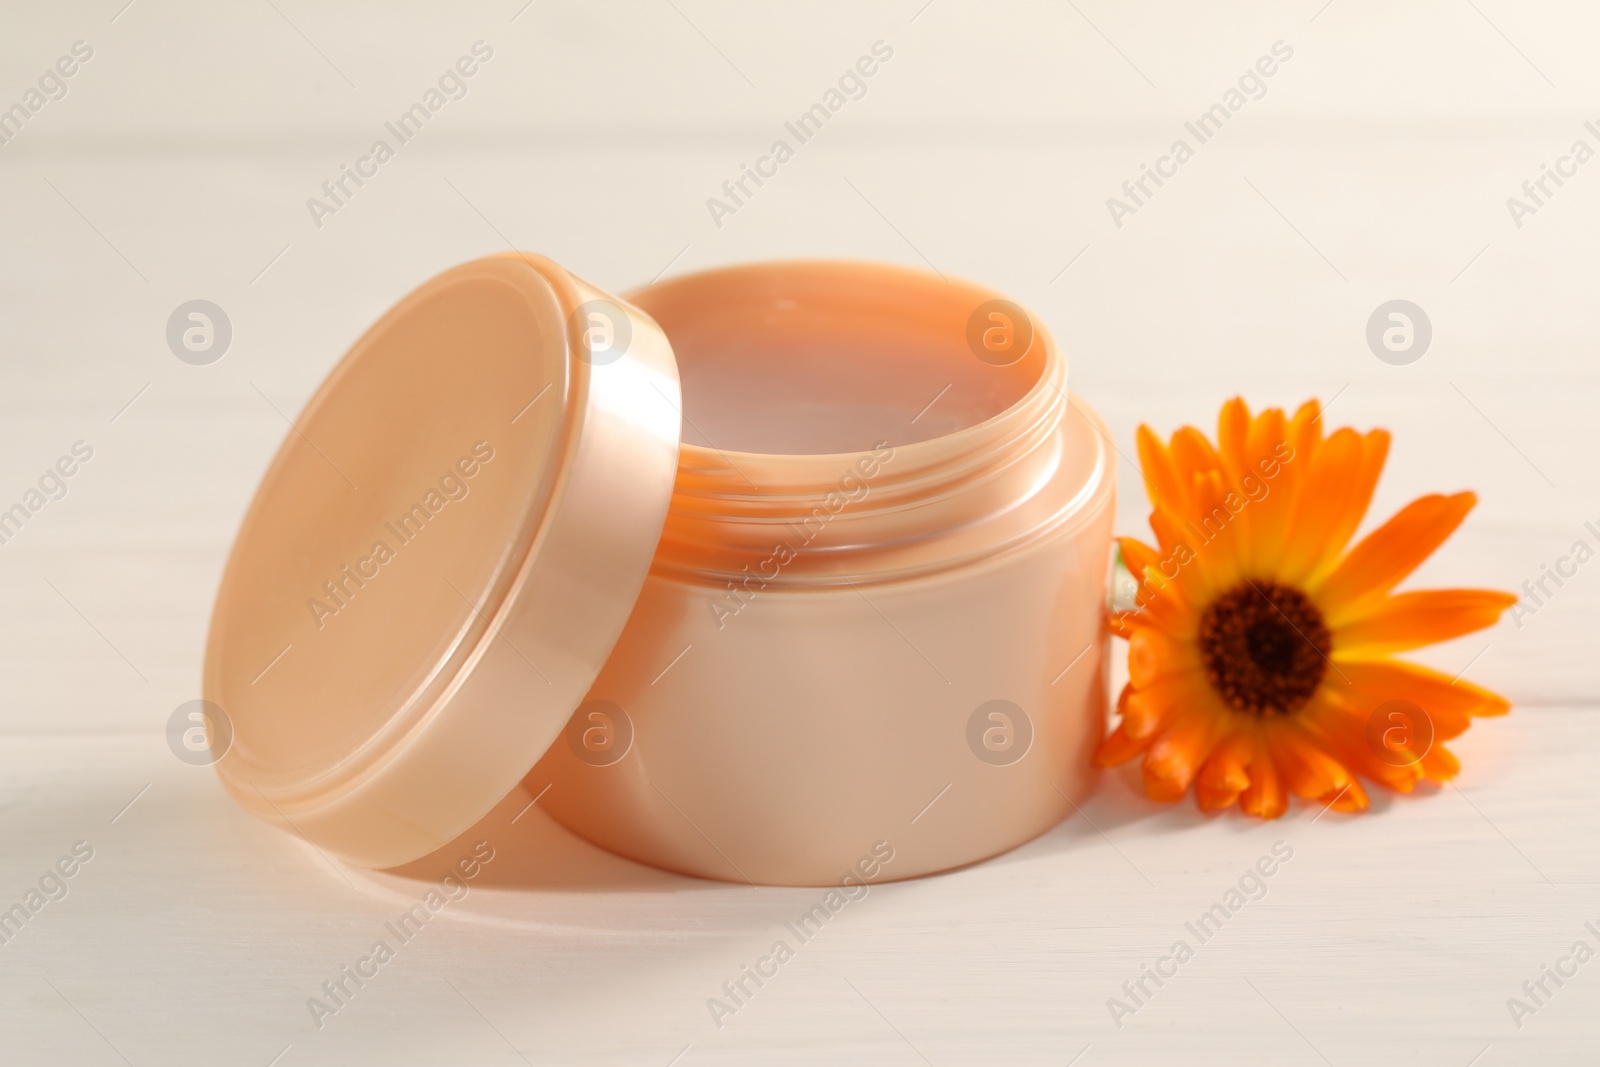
1193	454
1169	530
1174	758
1264	796
1233	435
1136	555
1364	481
1389	553
1145	710
1162	601
1304	432
1440	764
1222	777
1342	729
1124	623
1411	620
1308	770
1270	457
1118	748
1220	555
1352	797
1326	484
1167	491
1448	704
1154	654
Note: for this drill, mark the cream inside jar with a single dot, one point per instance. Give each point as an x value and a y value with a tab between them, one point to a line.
817	361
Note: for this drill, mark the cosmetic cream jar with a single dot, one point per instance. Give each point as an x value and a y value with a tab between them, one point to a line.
841	593
876	538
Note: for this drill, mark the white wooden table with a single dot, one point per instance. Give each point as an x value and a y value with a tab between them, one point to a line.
1376	166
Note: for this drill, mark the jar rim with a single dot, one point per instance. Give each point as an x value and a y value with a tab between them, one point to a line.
928	503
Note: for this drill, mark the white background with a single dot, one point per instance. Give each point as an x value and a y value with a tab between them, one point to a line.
1377	166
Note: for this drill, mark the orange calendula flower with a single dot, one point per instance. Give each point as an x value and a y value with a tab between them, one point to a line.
1260	650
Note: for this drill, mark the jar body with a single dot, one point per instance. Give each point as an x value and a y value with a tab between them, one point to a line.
783	746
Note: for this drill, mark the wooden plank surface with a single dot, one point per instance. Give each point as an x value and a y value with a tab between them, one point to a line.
1376	165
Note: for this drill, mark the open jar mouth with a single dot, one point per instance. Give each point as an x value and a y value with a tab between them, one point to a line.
820	358
891	404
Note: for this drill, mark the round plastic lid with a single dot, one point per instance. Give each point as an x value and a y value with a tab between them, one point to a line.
441	557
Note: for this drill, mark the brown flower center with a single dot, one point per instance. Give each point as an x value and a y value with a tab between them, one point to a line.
1264	647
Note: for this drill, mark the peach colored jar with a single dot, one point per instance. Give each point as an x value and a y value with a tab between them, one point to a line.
875	617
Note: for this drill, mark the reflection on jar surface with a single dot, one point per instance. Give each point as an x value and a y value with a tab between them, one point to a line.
875	617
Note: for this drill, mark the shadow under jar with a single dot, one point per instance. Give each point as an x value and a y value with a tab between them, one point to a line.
874	624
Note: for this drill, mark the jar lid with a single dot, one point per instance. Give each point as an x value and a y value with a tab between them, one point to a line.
441	557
